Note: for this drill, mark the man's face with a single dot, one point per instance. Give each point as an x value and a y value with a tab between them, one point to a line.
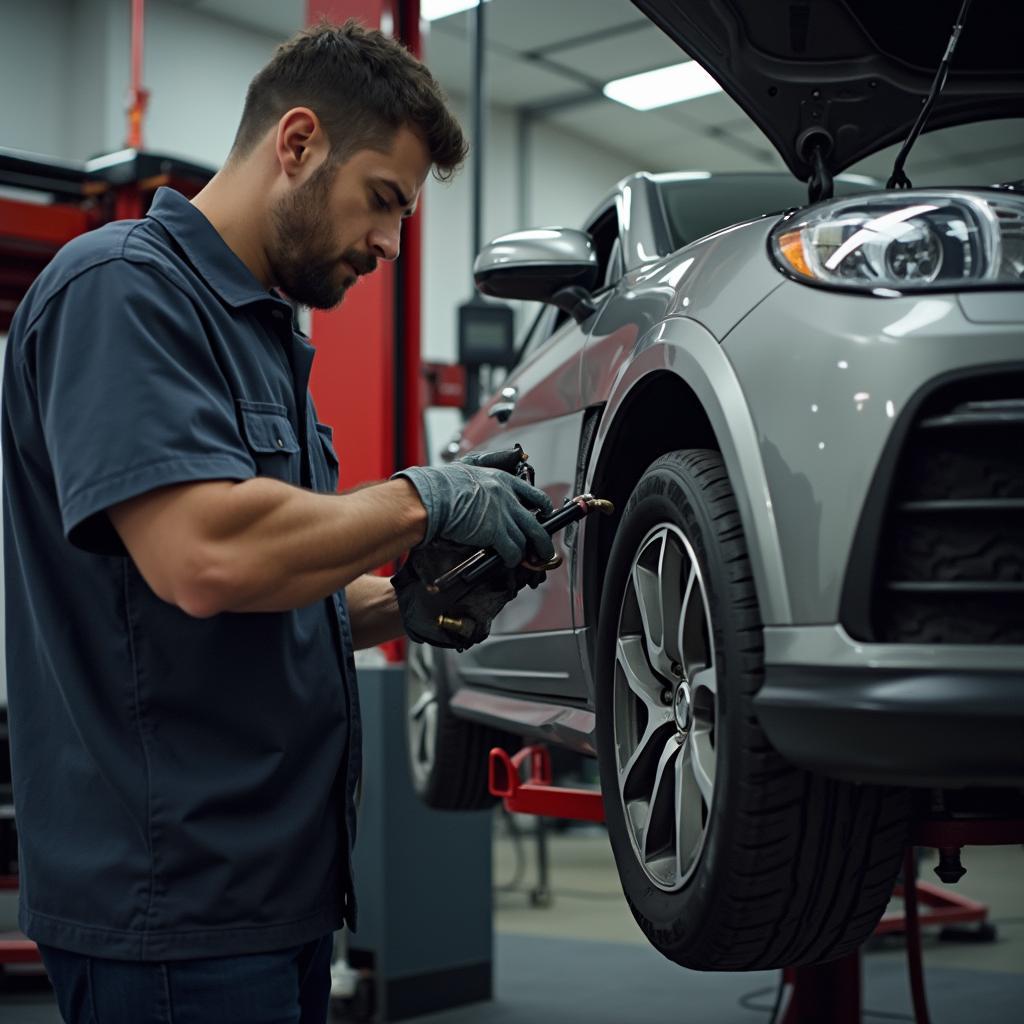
345	218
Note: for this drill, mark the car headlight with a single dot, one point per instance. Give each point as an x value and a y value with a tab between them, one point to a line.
906	241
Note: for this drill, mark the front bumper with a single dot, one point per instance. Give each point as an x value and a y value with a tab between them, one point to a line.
897	714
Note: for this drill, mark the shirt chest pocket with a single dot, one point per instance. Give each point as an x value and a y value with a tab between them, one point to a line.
326	435
271	440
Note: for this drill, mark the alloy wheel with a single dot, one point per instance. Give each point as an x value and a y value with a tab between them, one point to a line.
665	707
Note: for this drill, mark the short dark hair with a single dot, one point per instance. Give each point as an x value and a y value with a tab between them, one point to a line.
362	86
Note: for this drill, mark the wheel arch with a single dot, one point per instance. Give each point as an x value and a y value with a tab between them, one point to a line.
680	391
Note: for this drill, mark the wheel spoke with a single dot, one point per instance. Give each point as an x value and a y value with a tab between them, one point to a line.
429	733
646	585
693	633
670	574
425	699
417	733
702	762
642	752
705	679
662	789
629	653
689	819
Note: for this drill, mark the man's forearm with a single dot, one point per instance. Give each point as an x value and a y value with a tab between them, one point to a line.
298	554
373	611
262	545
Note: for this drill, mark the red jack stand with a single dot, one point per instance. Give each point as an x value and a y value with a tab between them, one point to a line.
538	795
827	993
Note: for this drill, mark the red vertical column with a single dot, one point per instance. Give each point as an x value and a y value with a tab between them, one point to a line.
366	375
412	443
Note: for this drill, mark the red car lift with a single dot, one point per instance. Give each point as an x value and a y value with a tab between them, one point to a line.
828	993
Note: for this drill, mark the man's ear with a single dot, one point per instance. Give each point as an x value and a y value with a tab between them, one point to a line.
300	143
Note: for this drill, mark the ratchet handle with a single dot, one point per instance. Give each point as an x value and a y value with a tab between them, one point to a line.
571	512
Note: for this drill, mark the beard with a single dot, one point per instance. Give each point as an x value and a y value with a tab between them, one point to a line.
304	260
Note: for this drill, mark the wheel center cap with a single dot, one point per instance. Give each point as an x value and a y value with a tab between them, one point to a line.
683	708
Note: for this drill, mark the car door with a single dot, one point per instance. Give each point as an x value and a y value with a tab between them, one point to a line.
531	648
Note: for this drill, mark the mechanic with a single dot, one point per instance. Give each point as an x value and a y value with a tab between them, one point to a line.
184	589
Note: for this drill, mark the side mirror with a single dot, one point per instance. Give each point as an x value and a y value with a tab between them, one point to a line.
538	265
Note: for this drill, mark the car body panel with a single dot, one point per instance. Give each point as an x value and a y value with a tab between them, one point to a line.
915	714
547	421
856	360
715	281
571	727
685	348
645	238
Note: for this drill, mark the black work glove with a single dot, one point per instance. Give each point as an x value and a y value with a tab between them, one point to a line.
467	608
482	507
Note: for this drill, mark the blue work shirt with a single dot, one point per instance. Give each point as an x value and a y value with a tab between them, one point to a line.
183	787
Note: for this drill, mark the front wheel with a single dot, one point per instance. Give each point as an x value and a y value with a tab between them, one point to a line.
729	858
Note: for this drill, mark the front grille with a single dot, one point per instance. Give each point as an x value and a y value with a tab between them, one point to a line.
951	558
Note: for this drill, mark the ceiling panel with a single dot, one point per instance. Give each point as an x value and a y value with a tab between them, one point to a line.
510	82
529	24
626	53
718	109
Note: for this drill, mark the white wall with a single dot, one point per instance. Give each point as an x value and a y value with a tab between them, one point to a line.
65	72
34	47
198	69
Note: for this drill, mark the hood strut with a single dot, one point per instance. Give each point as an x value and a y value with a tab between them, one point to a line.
898	178
820	185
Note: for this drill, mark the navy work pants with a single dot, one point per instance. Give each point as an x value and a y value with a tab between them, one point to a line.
290	986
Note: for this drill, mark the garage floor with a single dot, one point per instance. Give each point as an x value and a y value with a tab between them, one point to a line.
582	960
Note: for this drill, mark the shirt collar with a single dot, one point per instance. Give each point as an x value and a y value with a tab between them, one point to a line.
207	251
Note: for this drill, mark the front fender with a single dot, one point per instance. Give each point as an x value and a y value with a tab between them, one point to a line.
683	347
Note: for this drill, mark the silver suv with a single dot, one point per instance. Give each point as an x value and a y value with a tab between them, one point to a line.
804	627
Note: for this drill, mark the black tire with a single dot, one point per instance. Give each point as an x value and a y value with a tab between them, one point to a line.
791	868
447	755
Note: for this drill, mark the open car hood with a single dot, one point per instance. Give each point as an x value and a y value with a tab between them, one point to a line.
850	75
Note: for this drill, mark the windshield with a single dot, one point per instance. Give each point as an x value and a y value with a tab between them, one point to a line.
697	206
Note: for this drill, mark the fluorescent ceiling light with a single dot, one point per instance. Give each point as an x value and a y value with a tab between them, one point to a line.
431	10
665	85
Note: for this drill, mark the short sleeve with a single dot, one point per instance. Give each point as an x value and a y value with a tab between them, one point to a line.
130	396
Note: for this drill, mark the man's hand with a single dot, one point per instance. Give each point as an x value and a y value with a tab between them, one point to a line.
482	508
467	608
